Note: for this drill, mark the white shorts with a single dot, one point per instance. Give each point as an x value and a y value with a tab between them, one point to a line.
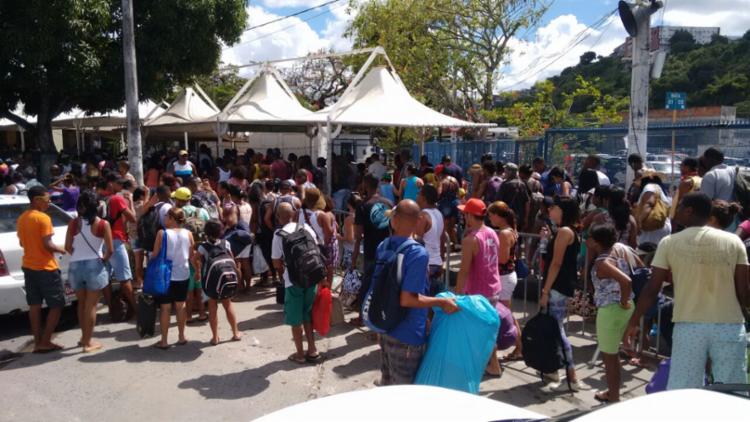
246	253
509	282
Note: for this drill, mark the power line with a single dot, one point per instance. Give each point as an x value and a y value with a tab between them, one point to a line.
292	15
573	42
291	26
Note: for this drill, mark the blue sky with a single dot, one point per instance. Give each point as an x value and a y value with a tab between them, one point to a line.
543	52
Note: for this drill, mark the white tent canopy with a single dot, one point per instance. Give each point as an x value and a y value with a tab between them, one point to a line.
190	112
264	100
78	119
380	99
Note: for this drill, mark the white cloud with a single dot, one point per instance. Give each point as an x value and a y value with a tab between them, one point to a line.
289	38
542	56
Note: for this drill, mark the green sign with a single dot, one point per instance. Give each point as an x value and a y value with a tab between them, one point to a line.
676	101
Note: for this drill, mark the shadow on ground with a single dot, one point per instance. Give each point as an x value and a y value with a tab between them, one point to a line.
238	385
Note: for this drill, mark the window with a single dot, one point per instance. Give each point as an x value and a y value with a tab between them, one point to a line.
10	213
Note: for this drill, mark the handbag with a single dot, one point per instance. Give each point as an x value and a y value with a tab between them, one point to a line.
321	311
158	272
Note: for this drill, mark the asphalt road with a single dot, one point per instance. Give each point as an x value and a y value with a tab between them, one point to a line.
130	380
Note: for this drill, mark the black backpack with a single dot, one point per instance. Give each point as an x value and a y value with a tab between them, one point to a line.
742	187
543	348
148	225
381	308
302	257
220	280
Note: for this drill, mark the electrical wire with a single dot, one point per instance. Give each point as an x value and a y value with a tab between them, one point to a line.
580	37
292	15
290	26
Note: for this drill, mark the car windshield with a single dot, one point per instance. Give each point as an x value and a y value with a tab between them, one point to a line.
10	213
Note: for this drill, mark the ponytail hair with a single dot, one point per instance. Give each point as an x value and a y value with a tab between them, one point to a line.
177	215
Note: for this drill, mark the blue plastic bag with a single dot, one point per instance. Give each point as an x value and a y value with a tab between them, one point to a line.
460	344
158	272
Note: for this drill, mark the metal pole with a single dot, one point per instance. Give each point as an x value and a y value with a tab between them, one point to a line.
23	139
329	155
186	141
671	176
135	152
639	79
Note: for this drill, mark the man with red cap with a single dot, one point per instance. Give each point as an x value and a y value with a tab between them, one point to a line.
480	274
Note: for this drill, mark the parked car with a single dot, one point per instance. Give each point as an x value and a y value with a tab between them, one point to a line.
12	293
424	403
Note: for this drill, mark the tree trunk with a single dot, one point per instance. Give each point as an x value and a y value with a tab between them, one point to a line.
45	142
135	152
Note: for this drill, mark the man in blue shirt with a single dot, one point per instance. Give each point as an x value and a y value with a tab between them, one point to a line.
403	347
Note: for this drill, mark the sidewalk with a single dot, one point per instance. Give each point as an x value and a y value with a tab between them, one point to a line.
130	380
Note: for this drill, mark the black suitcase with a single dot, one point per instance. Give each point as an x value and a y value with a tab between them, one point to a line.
146	322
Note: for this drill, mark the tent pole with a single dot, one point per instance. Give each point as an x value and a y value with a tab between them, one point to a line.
186	141
329	156
23	140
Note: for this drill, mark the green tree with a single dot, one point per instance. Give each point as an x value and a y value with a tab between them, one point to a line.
534	117
56	55
681	41
447	52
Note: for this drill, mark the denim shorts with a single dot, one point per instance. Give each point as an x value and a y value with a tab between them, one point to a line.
135	245
119	262
89	274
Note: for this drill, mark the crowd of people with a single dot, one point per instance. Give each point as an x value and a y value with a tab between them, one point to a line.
690	235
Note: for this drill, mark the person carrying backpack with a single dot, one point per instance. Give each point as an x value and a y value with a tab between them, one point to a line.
403	346
299	294
215	264
195	222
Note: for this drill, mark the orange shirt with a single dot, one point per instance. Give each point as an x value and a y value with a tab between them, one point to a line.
32	227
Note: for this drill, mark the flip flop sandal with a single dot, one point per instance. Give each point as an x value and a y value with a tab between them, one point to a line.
236	339
313	359
182	343
511	358
203	319
602	397
159	346
293	358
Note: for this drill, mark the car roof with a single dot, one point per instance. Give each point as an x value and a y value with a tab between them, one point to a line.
13	199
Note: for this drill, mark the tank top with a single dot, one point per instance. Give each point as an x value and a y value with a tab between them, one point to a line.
310	218
484	277
223	175
178	251
432	237
568	275
81	250
510	265
411	189
183	170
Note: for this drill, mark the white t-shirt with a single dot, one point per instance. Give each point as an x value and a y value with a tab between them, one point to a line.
655	236
603	179
163	210
377	169
277	247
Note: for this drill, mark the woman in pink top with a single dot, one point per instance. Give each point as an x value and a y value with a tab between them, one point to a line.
479	274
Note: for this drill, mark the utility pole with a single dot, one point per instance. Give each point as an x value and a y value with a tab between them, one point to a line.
135	152
637	21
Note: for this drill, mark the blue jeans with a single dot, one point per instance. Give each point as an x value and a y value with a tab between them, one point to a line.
693	343
119	262
558	308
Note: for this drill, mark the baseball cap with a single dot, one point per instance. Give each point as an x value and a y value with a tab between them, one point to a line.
182	152
473	206
182	194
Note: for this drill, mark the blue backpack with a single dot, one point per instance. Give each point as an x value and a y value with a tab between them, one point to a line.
381	309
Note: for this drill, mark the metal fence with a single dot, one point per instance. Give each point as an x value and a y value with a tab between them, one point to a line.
568	147
466	153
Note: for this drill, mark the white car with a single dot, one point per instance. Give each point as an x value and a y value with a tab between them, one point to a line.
424	403
12	292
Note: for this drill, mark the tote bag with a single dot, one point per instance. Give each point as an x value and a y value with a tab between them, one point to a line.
158	272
